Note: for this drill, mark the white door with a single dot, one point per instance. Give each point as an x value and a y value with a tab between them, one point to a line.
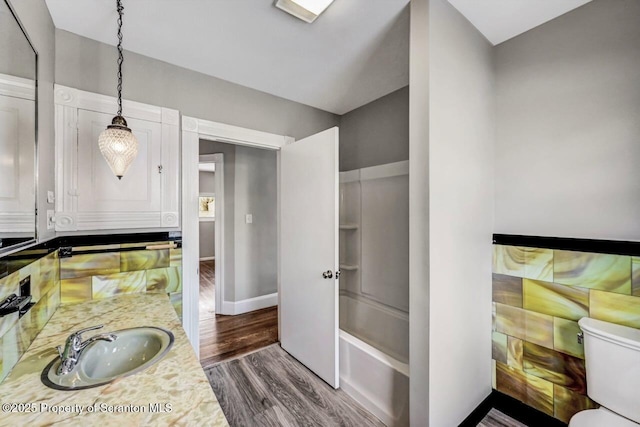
309	248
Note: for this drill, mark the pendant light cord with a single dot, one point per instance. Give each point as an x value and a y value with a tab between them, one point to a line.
120	8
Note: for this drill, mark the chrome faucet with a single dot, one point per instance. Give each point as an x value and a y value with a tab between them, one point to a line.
74	347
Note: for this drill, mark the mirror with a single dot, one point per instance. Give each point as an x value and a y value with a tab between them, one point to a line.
18	103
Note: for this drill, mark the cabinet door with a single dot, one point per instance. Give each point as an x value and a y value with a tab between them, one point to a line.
89	196
99	190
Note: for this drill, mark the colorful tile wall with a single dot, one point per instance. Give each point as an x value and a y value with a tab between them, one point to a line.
149	267
538	297
17	334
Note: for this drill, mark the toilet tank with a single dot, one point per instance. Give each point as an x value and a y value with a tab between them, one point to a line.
612	357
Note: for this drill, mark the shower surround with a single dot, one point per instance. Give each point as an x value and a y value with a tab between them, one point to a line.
374	289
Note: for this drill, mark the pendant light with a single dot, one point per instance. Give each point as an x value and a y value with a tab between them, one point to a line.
118	145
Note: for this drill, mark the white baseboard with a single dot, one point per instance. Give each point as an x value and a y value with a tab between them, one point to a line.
246	305
208	258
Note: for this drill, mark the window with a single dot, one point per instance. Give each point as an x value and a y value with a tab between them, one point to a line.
207	207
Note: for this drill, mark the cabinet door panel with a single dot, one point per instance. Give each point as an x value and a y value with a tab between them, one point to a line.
99	190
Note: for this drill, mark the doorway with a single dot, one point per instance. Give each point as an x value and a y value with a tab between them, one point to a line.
237	210
307	200
193	132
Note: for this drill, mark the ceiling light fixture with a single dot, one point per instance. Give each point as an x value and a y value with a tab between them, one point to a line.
118	145
307	10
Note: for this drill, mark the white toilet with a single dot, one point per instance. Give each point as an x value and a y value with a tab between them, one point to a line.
612	357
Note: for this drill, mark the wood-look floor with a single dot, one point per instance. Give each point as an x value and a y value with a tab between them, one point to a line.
496	418
271	388
226	337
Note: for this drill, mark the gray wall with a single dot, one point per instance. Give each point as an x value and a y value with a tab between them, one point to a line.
35	17
461	207
90	65
256	244
207	182
207	239
419	323
376	133
451	191
568	105
250	185
207	228
15	47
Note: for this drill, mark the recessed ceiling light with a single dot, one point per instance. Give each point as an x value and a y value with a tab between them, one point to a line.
307	10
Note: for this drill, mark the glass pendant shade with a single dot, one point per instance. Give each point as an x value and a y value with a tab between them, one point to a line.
118	146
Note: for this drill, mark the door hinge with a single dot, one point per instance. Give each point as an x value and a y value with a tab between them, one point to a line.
159	168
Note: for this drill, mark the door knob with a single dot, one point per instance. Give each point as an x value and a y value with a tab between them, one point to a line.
327	274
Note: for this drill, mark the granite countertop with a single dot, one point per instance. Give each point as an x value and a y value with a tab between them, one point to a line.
177	383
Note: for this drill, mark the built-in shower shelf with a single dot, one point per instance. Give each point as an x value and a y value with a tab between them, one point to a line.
348	226
349	267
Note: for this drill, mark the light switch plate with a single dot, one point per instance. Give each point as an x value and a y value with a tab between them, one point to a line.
51	221
249	219
51	198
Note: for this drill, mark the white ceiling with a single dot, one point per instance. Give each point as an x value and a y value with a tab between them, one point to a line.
500	20
354	53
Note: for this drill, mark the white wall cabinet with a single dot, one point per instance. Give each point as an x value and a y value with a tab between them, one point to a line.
90	197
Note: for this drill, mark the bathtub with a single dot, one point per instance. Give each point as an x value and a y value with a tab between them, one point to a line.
378	381
379	325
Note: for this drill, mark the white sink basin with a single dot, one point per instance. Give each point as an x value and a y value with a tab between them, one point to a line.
133	351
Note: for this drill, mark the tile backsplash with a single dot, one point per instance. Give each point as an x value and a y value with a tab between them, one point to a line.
96	272
17	334
538	297
91	272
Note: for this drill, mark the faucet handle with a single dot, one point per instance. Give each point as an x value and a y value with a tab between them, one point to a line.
75	339
90	328
60	351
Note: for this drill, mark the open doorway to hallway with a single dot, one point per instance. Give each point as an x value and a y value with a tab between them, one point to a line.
238	250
